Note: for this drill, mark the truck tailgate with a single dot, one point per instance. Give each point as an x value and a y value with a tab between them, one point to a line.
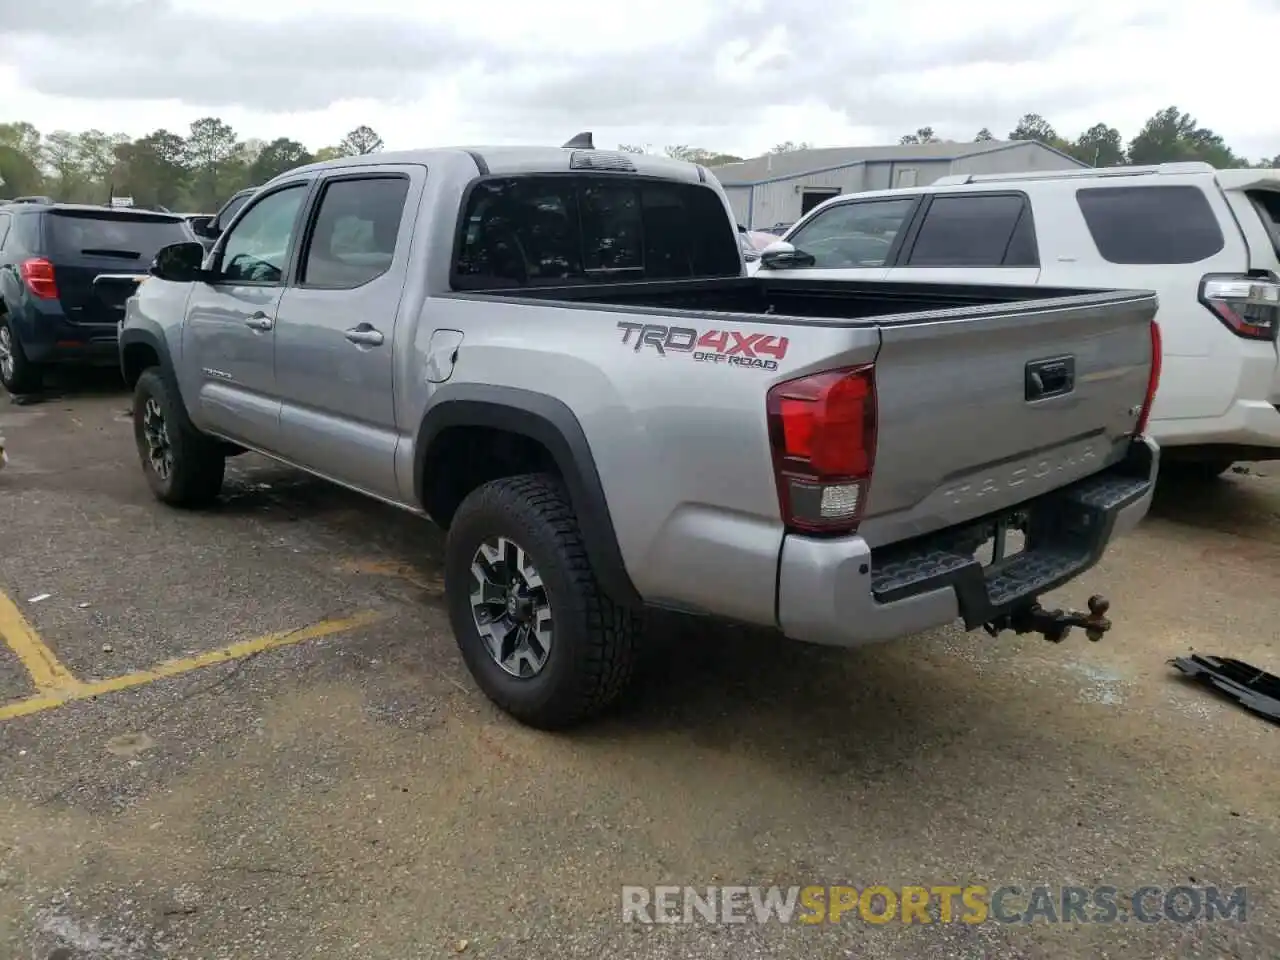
983	408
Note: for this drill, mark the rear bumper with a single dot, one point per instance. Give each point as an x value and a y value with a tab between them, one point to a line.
47	337
1247	423
840	592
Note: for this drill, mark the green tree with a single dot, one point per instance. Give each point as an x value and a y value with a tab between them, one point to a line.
65	165
708	158
631	148
983	135
923	135
788	146
277	157
22	137
1172	135
210	149
19	174
153	169
1032	126
1099	146
328	153
360	141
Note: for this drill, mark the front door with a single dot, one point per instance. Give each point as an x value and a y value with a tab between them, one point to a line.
851	239
336	328
230	329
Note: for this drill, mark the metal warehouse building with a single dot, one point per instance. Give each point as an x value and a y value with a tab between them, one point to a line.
781	188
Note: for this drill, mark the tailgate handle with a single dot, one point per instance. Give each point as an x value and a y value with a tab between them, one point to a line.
1050	378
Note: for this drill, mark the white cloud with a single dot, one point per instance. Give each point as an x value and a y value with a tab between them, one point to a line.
738	77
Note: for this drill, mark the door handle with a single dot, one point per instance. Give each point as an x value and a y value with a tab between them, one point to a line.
259	321
364	336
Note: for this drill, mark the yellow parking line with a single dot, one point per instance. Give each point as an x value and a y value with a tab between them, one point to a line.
47	672
50	698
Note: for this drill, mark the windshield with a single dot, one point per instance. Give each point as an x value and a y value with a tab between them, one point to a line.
115	234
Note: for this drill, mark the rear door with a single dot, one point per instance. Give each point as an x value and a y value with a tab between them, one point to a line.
852	239
230	328
336	326
84	242
987	237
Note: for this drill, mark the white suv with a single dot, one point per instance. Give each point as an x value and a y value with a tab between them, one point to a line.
1207	241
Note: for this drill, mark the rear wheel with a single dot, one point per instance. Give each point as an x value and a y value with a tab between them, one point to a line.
537	633
183	467
18	374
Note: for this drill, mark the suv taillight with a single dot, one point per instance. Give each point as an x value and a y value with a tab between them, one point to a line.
1248	306
1153	380
822	429
37	274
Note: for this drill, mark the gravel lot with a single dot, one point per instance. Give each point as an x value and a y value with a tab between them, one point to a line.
352	795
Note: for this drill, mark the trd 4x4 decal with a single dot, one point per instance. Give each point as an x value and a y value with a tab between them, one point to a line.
759	350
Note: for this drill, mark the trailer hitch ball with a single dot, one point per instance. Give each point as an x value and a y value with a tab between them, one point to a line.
1054	625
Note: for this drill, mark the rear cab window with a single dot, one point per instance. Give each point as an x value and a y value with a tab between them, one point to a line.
570	229
110	234
1165	224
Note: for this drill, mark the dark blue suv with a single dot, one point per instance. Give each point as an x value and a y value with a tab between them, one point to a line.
51	310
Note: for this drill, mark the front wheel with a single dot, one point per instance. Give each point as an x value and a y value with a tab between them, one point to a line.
183	467
537	633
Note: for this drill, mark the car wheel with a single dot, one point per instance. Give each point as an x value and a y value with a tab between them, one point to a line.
183	467
18	374
537	633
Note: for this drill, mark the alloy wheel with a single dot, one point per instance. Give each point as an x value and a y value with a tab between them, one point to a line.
510	607
156	433
6	353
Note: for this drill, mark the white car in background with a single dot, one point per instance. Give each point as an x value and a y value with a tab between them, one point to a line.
1206	241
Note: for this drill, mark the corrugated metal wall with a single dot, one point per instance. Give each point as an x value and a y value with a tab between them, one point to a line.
780	201
1023	158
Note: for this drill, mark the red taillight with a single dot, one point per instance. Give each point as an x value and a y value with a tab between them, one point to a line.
1248	306
823	432
1153	380
37	274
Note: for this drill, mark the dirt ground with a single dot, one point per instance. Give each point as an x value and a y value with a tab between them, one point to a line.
341	789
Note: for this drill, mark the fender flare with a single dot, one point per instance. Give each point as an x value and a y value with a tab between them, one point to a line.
130	336
551	423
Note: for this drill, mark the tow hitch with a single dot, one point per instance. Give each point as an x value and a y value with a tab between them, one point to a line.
1054	625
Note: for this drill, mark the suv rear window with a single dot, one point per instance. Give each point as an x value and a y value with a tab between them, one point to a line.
1140	225
551	230
112	234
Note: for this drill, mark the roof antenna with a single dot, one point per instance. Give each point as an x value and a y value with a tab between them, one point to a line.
582	141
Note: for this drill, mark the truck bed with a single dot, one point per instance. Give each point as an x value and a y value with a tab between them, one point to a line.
784	300
988	395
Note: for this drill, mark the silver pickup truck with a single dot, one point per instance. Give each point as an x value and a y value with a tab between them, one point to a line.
555	354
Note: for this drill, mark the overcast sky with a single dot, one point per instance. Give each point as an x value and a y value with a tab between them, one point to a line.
735	76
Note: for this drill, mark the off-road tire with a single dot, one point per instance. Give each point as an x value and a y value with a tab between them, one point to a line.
198	463
594	640
27	377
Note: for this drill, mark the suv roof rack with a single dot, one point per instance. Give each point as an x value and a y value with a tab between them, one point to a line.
1166	169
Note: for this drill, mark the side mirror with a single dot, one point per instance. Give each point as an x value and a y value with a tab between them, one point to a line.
201	226
180	262
780	255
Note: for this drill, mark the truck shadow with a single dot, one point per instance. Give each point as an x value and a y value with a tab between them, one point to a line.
1241	504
